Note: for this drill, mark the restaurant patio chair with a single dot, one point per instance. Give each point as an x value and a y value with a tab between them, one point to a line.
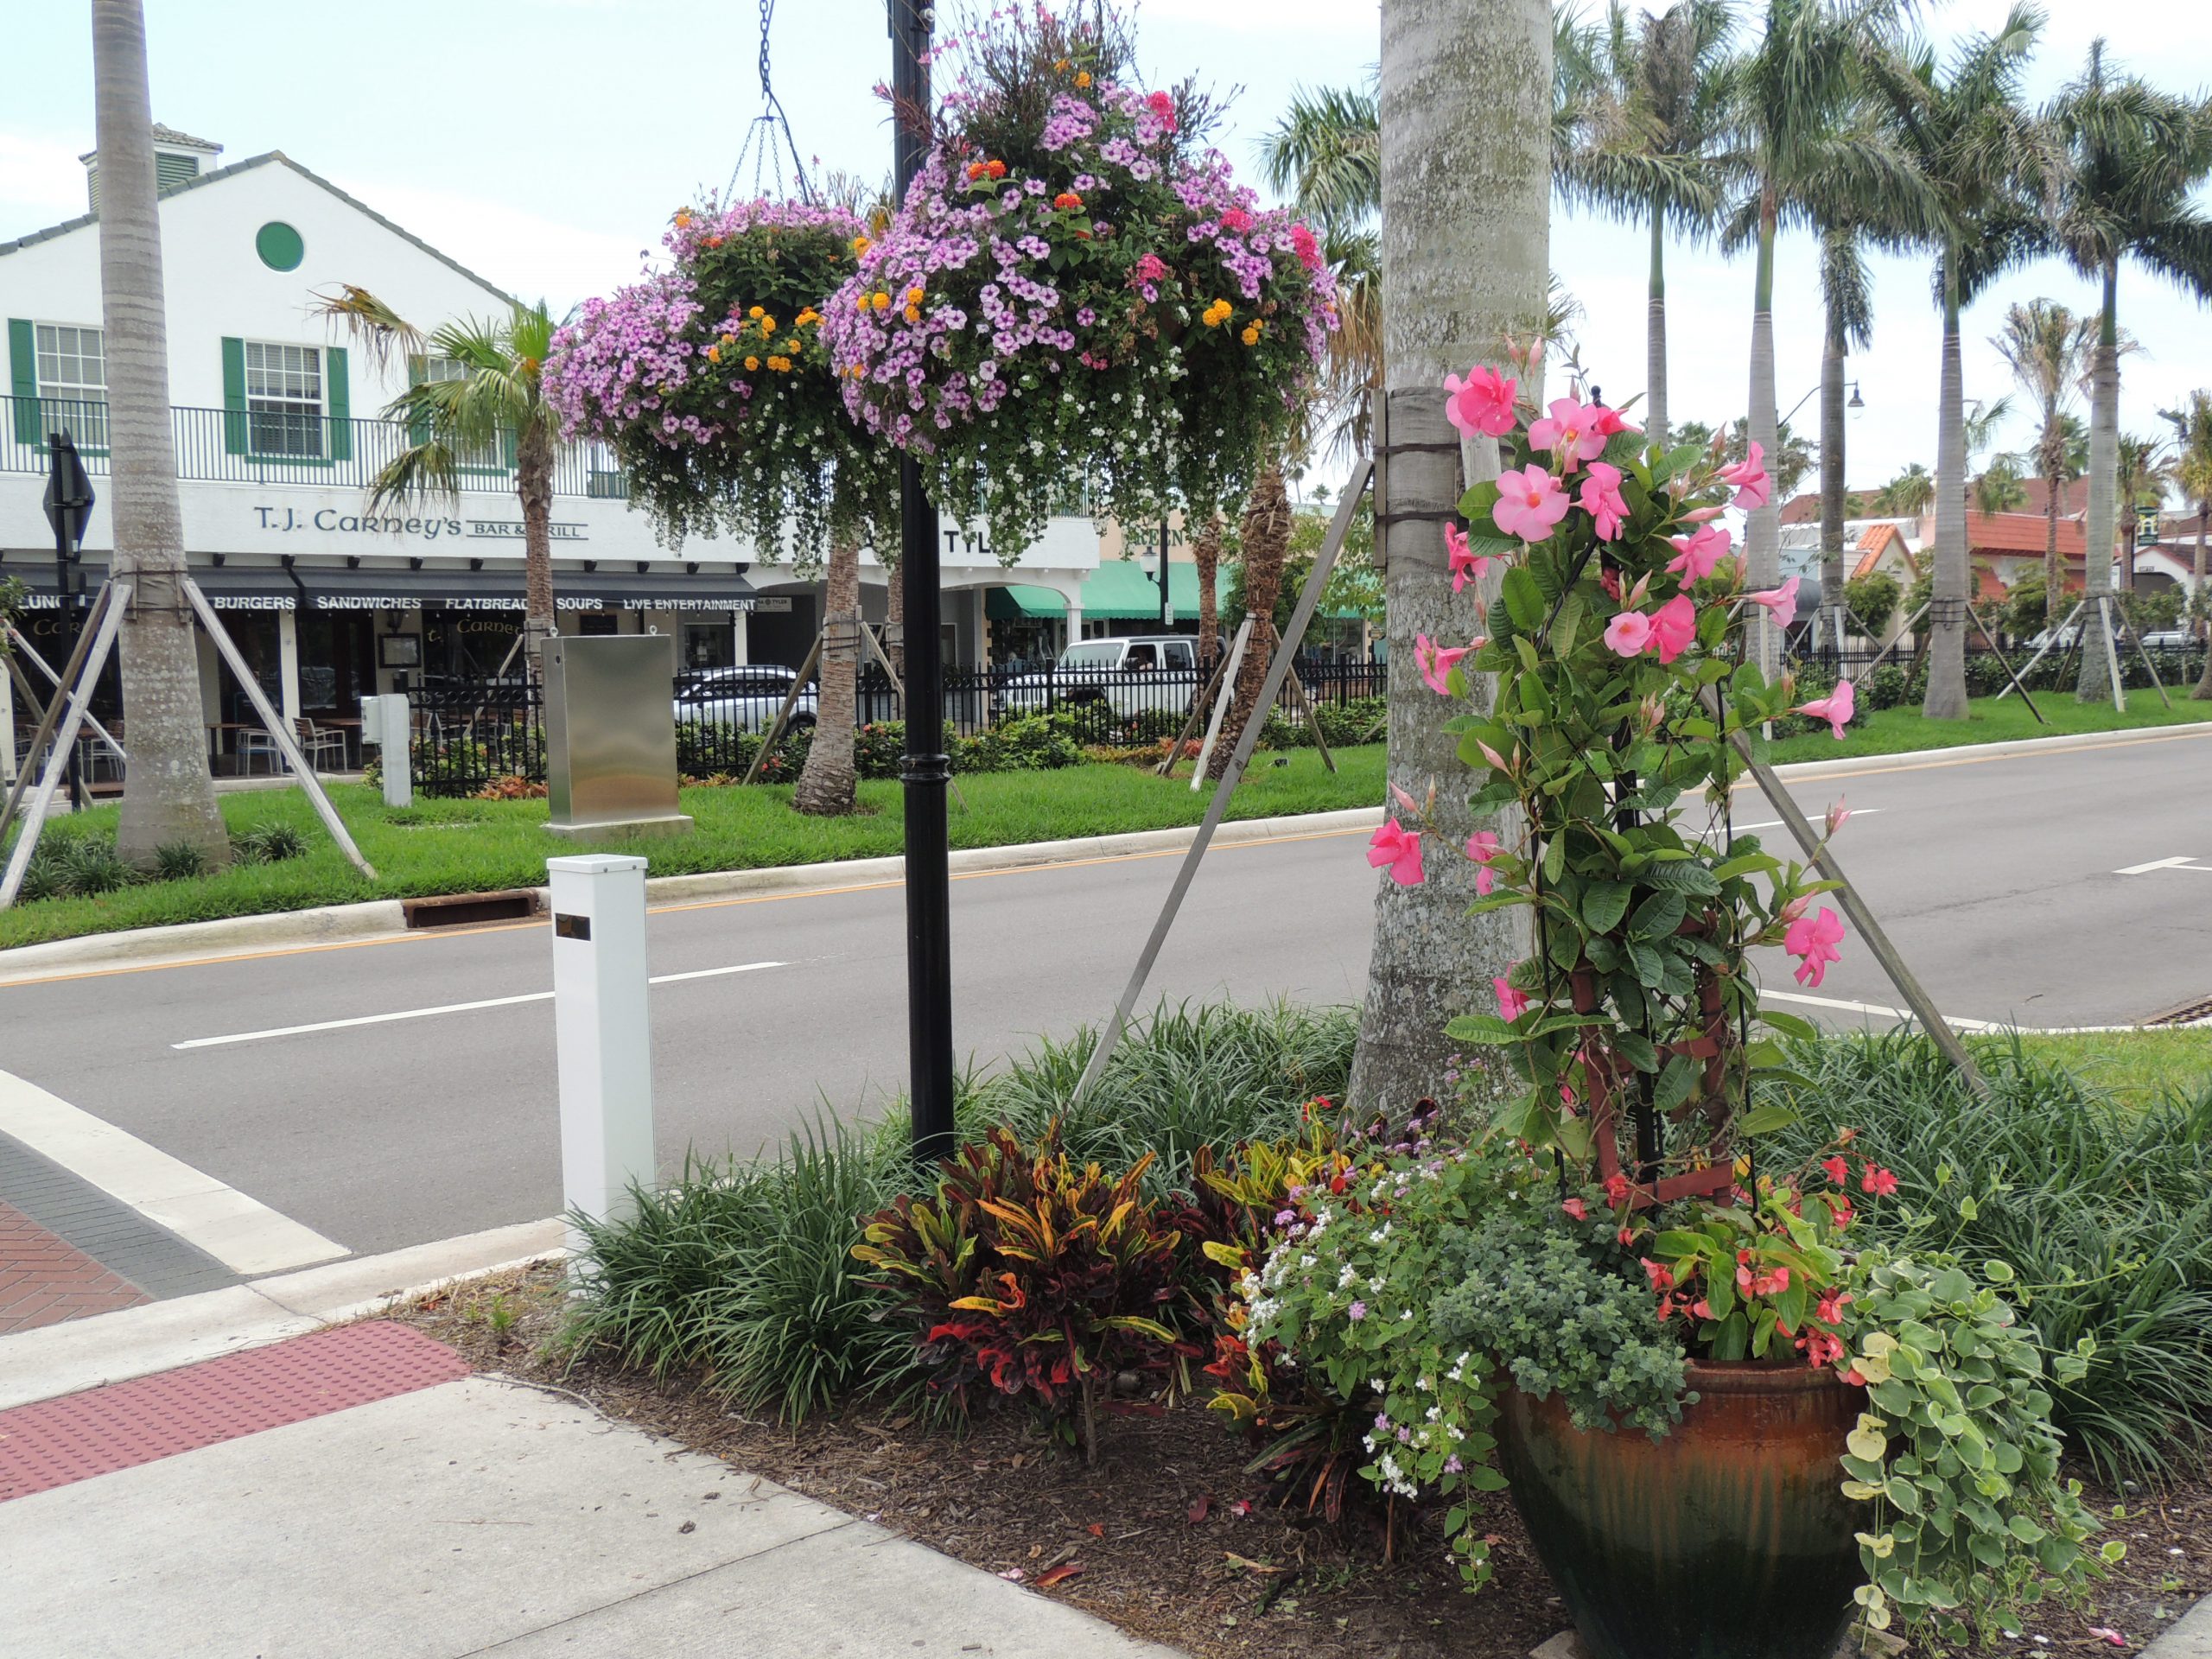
319	743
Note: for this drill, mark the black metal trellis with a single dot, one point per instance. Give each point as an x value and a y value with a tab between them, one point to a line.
768	136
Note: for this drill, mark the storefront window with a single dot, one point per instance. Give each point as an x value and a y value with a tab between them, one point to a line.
337	662
470	645
709	644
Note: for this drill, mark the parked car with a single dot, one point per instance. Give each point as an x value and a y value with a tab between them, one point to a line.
2169	639
746	698
1144	672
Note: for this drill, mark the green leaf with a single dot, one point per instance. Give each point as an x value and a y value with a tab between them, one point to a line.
1765	1119
1555	858
1476	505
1676	1083
1789	1025
1486	1029
1604	904
1658	916
1524	600
1634	1048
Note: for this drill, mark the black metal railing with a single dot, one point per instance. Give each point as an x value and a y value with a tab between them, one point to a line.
471	733
251	446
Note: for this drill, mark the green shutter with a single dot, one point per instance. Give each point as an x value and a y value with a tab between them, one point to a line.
23	373
234	430
338	398
508	447
418	425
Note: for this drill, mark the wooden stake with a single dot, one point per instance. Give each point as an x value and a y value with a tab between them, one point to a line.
87	664
790	701
1199	706
1312	718
1223	699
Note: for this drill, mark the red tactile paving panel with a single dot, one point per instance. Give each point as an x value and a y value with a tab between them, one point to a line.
54	1442
45	1278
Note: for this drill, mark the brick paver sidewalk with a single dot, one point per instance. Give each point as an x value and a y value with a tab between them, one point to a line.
44	1279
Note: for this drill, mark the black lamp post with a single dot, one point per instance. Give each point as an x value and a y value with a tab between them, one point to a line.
927	768
69	499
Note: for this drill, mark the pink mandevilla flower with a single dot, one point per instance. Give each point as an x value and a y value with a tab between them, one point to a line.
1512	1003
1399	849
1814	939
1482	846
1781	602
1436	662
1674	625
1836	708
1695	555
1529	504
1609	421
1482	404
1601	498
1569	432
1629	632
1753	489
1466	564
1839	815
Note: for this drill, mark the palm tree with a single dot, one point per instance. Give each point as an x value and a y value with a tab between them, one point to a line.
1637	115
169	798
2147	471
1999	487
2048	348
1847	296
492	398
1464	101
2192	424
1265	538
2123	161
1206	565
1965	132
1800	155
1908	494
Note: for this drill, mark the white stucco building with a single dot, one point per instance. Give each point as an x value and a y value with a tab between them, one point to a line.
278	436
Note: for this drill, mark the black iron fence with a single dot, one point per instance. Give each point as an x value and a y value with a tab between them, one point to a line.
471	733
275	447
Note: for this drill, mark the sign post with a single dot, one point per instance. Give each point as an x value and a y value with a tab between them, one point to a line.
602	1035
68	505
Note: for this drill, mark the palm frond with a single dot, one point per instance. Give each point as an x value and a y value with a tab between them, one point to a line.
372	324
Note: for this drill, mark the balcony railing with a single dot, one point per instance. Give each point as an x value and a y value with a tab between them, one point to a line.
222	446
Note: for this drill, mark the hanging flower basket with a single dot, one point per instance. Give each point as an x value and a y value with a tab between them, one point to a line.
711	382
1077	305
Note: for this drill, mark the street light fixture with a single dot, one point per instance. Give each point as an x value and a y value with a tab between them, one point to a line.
926	770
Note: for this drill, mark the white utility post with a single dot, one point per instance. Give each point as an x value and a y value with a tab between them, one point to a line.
601	1036
386	722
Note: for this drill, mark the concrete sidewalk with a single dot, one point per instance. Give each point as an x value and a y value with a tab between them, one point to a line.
454	1514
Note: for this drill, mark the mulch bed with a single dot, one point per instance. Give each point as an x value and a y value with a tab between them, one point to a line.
1169	1537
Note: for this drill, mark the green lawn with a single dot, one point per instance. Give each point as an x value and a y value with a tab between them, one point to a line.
450	846
1896	731
2135	1066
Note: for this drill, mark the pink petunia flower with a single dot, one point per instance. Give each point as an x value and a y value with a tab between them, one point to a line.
1629	632
1695	555
1753	488
1781	602
1814	939
1482	404
1436	662
1512	1003
1602	500
1674	627
1466	564
1399	849
1530	503
1569	432
1836	708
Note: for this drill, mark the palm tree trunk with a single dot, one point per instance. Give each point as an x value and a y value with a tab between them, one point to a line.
1945	624
2095	683
1466	251
1655	337
1762	534
1267	545
1831	465
1206	564
168	796
2053	591
829	785
534	487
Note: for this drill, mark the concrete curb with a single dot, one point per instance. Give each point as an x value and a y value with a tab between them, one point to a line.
80	1354
2189	1639
383	917
1911	760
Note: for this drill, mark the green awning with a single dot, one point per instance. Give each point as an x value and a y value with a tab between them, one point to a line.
1118	591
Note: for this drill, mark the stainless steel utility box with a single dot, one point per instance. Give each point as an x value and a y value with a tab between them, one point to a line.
610	736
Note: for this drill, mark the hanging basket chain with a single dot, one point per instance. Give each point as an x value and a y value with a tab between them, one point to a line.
768	138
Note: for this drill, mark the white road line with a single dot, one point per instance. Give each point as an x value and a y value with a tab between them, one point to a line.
445	1007
244	1234
2187	861
1775	823
1956	1024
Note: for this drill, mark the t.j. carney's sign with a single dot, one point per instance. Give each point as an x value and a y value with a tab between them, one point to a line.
281	521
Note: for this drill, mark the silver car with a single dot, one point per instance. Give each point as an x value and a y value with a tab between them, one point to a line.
745	698
1130	675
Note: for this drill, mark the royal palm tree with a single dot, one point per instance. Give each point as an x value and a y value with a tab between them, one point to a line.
2192	424
1963	128
1847	297
2146	473
1465	100
473	387
2123	162
1637	116
1799	154
169	797
2048	348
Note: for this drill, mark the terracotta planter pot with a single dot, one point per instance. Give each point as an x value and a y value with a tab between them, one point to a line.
1729	1539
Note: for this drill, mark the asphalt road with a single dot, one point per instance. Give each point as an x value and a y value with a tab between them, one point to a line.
1998	879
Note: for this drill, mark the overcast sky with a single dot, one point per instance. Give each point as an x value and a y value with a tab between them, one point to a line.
542	143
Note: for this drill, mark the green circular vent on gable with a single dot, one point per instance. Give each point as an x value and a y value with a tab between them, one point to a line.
279	245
